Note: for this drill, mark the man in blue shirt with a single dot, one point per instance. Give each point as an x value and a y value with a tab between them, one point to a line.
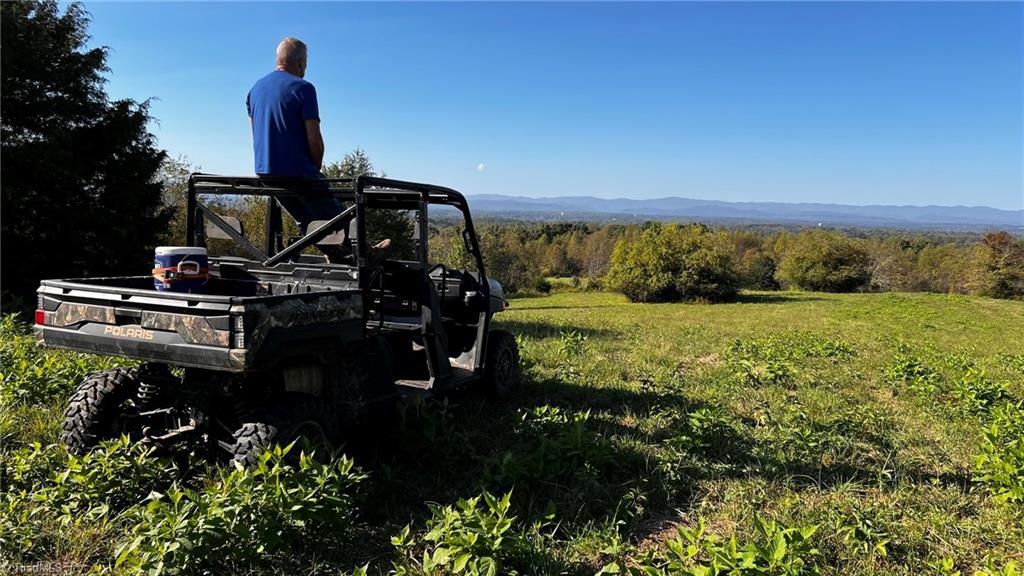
286	137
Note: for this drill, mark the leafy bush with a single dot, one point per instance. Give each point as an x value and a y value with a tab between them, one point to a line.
777	550
672	263
1000	466
826	262
49	492
464	539
1013	362
572	343
757	271
242	516
908	370
865	528
31	374
1004	262
767	360
557	451
770	373
476	537
977	392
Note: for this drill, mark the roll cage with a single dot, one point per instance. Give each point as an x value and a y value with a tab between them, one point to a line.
361	193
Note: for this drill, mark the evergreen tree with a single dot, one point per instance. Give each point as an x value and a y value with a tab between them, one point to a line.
79	196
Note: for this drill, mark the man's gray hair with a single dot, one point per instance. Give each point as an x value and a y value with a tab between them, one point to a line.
291	51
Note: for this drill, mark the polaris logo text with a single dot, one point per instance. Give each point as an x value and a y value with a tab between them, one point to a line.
128	332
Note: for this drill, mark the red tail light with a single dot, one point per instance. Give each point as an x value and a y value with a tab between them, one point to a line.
41	317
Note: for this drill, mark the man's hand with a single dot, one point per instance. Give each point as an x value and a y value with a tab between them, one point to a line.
315	141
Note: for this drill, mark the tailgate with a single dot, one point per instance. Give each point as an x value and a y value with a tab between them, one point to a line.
182	329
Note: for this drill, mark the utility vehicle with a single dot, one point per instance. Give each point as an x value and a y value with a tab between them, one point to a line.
283	344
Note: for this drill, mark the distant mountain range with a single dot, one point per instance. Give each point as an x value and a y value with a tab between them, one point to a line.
689	209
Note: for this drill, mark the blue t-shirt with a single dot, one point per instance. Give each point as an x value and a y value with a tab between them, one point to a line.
279	105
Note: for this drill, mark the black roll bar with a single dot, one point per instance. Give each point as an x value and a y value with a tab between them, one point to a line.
381	192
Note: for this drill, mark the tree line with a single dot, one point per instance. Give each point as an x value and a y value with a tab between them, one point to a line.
656	262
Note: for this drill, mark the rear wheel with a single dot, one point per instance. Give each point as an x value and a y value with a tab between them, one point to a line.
502	369
297	418
99	408
361	388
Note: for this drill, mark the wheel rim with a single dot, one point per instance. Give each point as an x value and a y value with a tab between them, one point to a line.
504	368
313	434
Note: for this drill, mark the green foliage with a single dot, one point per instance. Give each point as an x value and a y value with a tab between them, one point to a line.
769	373
768	360
173	178
757	271
776	551
865	529
992	568
30	375
790	346
978	393
558	459
1013	362
572	343
648	430
672	263
381	224
468	538
907	370
49	493
1000	465
1004	262
241	517
826	262
79	196
477	536
507	259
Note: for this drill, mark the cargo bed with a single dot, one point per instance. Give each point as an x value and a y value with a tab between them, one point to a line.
248	313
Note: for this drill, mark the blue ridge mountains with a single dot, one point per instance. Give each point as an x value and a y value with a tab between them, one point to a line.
690	209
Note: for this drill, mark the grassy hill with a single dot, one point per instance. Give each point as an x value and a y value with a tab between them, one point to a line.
830	433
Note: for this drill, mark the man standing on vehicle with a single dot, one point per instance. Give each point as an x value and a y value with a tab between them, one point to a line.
286	139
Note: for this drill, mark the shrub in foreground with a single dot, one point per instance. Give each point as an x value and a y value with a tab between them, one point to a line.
242	517
1000	466
51	498
476	537
30	374
668	263
777	550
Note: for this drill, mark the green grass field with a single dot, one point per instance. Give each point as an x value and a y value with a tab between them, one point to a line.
833	434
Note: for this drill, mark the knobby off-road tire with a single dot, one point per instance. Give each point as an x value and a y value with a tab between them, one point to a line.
357	386
93	412
502	369
296	417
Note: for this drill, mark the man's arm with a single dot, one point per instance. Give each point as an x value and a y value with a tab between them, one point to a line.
315	141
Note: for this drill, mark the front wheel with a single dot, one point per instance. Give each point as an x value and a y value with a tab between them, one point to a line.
502	369
97	409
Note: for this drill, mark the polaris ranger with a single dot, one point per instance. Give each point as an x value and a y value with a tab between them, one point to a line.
282	344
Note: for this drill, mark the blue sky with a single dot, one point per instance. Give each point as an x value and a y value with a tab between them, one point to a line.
854	103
